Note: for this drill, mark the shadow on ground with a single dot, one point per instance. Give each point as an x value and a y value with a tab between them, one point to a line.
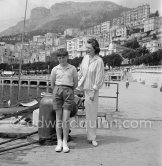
79	141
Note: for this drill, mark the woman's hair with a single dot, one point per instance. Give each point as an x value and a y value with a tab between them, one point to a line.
61	52
94	44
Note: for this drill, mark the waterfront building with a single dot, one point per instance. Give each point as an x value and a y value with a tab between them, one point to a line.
2	43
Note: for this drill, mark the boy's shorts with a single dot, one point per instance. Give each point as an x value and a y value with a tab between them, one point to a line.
63	97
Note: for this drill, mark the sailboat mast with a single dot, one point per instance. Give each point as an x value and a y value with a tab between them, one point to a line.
22	47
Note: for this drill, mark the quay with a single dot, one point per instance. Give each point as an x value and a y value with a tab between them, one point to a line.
27	80
149	75
117	145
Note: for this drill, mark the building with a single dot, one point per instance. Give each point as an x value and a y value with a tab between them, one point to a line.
115	48
39	39
97	29
134	17
50	38
89	31
76	47
71	32
121	33
105	27
152	23
118	21
152	45
7	54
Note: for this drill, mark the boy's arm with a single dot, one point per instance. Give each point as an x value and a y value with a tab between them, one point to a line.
75	78
53	78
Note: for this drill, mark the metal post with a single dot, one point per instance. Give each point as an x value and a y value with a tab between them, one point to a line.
117	93
22	42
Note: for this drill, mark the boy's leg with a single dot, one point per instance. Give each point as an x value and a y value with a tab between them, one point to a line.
59	130
66	118
59	124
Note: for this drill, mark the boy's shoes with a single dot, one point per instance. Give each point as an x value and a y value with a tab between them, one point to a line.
65	148
59	147
94	143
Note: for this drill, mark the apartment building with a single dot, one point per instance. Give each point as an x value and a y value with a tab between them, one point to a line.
105	27
97	29
76	47
89	31
133	17
118	21
121	31
7	54
39	39
152	45
152	23
72	47
71	31
50	38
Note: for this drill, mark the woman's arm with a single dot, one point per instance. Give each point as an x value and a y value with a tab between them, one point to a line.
99	79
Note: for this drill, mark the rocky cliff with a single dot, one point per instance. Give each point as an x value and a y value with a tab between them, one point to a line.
68	14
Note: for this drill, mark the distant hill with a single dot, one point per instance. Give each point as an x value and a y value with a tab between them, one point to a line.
67	14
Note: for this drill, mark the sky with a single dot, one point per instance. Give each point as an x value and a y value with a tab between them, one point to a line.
12	11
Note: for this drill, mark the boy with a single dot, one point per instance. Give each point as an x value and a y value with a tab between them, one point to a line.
64	79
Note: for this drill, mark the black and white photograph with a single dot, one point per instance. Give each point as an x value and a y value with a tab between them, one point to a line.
81	82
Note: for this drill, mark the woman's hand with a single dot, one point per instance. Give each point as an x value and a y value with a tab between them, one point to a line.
92	96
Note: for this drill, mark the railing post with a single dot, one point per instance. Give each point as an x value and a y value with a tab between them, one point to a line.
117	93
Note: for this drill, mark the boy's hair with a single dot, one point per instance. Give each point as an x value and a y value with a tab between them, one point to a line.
61	52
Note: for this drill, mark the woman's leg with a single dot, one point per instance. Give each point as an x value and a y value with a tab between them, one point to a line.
66	118
59	130
91	108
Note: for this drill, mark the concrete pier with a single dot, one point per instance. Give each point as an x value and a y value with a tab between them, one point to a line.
148	75
26	80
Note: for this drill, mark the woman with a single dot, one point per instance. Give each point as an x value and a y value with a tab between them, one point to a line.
91	79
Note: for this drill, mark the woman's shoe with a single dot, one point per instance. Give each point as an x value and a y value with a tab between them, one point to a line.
65	148
94	143
59	147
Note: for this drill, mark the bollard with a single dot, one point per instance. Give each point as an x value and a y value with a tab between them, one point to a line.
47	118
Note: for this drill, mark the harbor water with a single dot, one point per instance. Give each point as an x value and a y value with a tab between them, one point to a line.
27	93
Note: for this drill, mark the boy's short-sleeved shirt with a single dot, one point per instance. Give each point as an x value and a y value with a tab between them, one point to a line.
64	76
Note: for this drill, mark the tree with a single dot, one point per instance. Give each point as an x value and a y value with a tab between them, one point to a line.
129	54
142	51
76	61
132	44
113	60
157	13
4	66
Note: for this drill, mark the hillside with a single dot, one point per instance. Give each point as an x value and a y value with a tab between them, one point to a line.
68	14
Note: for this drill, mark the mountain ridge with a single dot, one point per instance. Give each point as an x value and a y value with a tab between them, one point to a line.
61	16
